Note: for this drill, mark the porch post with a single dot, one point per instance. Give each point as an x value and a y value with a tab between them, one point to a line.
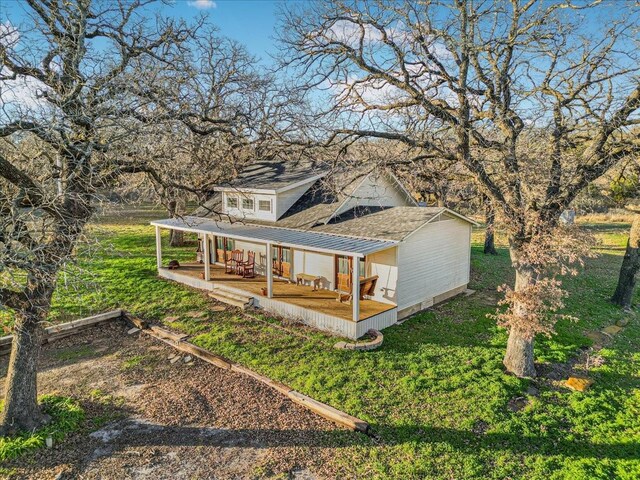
355	289
158	248
269	272
224	251
207	258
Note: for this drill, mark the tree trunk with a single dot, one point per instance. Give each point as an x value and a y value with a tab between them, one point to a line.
21	411
518	358
489	236
176	238
630	267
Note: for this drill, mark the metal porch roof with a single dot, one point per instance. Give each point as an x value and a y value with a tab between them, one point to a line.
320	242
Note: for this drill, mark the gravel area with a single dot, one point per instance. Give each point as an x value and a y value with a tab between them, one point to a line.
152	414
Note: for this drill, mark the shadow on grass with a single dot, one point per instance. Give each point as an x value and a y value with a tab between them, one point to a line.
470	442
78	447
129	433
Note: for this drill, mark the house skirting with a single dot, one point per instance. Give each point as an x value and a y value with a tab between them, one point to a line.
328	323
418	307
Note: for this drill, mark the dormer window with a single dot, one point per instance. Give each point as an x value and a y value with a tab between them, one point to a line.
232	202
247	204
264	205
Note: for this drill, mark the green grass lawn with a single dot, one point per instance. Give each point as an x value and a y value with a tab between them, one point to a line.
435	394
66	416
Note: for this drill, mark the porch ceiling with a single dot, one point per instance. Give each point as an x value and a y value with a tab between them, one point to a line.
320	242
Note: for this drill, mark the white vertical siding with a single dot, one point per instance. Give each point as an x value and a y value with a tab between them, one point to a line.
376	191
260	250
315	319
432	261
384	265
313	263
377	322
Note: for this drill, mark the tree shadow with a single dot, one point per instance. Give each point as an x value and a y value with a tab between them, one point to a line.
81	451
133	433
470	442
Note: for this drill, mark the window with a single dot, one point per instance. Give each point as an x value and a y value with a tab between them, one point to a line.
247	203
232	202
220	243
344	265
264	205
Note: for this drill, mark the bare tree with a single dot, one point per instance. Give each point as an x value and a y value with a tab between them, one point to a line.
533	102
630	266
73	89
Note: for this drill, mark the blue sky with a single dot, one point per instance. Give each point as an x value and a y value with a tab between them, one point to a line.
251	22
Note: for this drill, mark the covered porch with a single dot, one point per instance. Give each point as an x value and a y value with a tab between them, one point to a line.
317	307
323	301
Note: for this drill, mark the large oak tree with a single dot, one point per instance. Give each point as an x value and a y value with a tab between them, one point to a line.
536	98
77	82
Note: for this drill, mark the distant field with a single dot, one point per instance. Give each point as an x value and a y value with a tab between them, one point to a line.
435	393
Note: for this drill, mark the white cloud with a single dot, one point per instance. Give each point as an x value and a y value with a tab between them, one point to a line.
20	92
202	4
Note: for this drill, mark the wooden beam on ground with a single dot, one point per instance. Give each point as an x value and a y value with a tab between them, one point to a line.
177	341
166	334
62	330
281	387
136	322
329	412
205	355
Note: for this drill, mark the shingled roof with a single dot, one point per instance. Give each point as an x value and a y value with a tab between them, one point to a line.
393	223
270	175
316	209
316	206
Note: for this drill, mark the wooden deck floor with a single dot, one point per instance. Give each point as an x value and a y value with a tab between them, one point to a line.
323	301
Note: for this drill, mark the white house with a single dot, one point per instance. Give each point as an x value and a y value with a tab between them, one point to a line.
321	232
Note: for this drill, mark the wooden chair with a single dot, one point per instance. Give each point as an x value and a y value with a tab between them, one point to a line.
233	264
275	266
367	287
344	287
248	269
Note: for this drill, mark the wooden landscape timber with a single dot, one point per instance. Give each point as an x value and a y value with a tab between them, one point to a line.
62	330
178	342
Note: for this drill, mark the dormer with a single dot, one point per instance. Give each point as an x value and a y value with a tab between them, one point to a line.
260	198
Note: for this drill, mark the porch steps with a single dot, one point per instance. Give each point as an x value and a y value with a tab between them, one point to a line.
231	298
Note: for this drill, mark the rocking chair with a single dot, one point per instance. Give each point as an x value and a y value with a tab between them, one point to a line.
248	269
233	265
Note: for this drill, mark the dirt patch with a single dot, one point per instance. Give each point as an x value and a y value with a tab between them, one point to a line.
555	375
150	418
